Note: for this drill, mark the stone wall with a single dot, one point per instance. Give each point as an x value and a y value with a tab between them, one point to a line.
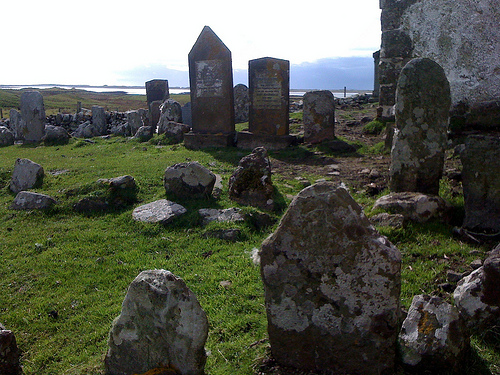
460	35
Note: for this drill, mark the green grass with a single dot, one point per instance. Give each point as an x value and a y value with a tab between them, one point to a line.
81	265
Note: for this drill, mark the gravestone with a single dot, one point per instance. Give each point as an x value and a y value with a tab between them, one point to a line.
420	138
99	120
481	183
154	114
157	89
161	329
32	124
212	98
269	90
241	103
319	116
186	114
332	286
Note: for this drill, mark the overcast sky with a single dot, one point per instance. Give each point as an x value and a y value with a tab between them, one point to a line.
110	42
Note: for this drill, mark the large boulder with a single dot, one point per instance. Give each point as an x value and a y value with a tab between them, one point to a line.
414	206
27	200
6	136
187	180
433	336
26	175
250	184
170	110
161	325
422	115
481	183
332	286
477	295
9	353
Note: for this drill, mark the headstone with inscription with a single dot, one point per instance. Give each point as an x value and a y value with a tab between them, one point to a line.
269	89
212	99
157	89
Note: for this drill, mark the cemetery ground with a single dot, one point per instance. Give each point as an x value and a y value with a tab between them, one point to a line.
64	274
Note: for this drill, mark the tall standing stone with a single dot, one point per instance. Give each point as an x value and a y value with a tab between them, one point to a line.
481	182
241	103
161	325
319	116
376	75
332	286
420	139
212	99
157	89
16	124
269	88
32	124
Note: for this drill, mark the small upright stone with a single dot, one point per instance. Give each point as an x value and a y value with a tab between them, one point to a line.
433	337
161	326
188	180
157	89
212	100
422	114
32	126
250	184
332	286
6	136
99	120
481	183
135	121
26	175
319	116
241	103
9	353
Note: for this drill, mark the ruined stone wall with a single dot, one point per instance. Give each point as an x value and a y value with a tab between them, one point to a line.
461	35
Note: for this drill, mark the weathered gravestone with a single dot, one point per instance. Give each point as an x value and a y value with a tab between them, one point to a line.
481	183
241	103
161	326
157	89
269	90
420	139
319	116
32	125
212	100
332	286
99	120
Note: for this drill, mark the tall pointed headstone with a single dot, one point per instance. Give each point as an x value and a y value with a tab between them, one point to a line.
269	89
212	98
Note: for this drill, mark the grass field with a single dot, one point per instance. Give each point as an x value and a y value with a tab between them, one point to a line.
64	275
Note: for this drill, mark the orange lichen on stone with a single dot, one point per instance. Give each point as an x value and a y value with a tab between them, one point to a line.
427	325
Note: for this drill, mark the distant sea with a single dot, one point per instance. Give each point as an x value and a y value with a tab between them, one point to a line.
138	90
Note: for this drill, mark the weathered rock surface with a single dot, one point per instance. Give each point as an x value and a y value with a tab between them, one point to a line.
55	135
241	103
332	286
388	220
6	136
26	175
144	133
161	211
173	130
420	139
319	116
414	206
187	180
99	124
250	184
9	353
161	324
433	336
481	183
27	200
477	296
170	110
135	120
226	215
32	126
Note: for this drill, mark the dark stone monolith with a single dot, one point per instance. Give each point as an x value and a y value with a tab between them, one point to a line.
32	125
157	89
420	139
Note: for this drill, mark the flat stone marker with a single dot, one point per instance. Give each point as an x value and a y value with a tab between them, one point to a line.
157	89
319	116
32	124
161	211
212	98
420	139
332	286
